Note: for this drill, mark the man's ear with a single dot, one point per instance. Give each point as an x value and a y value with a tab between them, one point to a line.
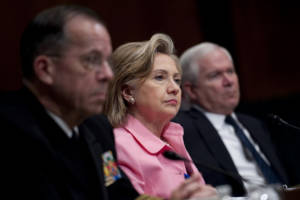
189	90
43	67
127	93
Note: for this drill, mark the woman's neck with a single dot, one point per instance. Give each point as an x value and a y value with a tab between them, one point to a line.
154	124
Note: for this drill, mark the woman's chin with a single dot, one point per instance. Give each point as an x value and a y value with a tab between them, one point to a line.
168	115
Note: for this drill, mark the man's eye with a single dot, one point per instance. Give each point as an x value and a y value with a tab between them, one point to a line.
213	75
93	59
109	61
231	71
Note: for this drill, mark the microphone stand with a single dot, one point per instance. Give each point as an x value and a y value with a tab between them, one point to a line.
280	121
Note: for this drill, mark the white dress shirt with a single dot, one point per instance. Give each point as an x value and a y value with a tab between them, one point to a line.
241	157
63	125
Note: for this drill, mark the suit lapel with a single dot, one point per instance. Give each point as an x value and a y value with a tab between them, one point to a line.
213	141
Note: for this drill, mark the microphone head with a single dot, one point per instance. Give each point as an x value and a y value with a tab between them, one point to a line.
275	119
279	121
273	116
173	155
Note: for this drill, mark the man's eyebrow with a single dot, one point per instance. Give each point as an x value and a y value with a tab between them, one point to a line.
95	52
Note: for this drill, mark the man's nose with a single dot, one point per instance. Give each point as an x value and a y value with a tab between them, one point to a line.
105	72
227	80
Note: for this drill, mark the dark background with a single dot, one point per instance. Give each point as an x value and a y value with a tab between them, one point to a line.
263	37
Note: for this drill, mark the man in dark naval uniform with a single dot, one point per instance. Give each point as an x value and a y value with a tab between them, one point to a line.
51	153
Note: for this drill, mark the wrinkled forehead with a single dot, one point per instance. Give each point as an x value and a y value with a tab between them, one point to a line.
214	60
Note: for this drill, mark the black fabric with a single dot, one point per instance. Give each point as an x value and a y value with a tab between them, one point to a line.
41	162
206	146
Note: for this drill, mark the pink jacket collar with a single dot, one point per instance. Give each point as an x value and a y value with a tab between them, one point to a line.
148	140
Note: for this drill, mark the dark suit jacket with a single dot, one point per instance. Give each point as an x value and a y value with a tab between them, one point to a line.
41	163
205	146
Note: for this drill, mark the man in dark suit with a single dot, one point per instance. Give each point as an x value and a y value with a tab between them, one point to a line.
214	134
50	152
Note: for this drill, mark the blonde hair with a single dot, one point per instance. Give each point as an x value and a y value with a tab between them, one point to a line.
132	63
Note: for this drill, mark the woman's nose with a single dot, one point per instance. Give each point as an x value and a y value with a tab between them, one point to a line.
173	87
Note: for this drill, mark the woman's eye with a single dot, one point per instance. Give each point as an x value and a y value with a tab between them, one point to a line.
159	77
178	81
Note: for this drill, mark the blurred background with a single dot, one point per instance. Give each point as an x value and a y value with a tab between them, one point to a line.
262	36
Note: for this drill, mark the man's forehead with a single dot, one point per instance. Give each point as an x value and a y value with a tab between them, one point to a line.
84	31
215	60
81	25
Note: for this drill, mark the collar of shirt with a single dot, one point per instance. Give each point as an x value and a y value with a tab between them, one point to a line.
148	140
218	120
63	125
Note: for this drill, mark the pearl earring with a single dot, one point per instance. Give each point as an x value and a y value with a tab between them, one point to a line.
131	100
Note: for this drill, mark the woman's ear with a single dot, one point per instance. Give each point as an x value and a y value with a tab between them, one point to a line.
127	93
43	68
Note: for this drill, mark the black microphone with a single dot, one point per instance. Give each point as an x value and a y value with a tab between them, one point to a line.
171	155
280	121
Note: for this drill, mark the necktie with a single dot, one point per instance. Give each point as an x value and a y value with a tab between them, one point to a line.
267	170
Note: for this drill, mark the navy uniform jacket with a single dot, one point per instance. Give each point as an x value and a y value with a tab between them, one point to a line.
205	146
40	162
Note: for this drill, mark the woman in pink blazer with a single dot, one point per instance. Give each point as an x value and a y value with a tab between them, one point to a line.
143	97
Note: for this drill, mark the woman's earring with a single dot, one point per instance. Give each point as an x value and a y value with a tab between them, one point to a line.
131	100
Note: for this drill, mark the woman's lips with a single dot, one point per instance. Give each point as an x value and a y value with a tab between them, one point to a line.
172	101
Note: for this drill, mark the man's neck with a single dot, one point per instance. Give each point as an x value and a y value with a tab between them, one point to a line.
202	109
70	117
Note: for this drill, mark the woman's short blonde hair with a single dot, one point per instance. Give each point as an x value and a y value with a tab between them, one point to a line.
132	63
